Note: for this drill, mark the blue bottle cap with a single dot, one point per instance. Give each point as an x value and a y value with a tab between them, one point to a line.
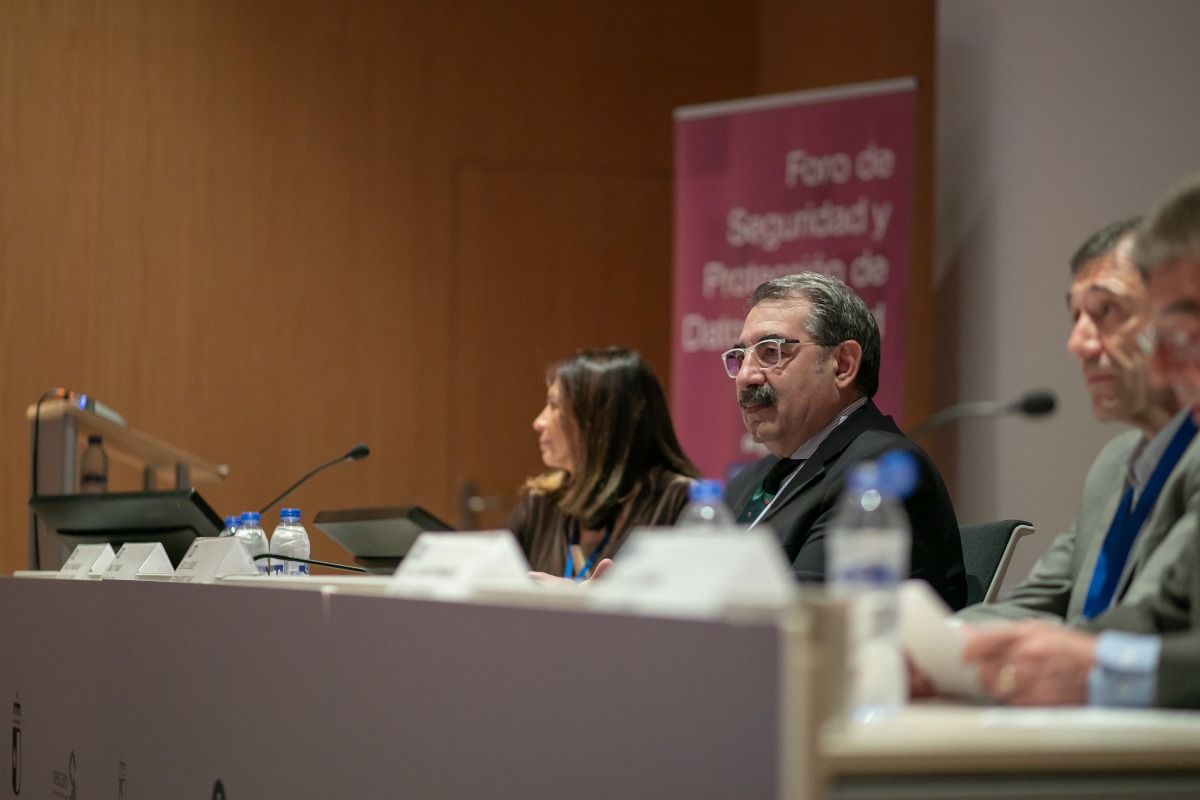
251	516
898	473
289	513
706	491
232	520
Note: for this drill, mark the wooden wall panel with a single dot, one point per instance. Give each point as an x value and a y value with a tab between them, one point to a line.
244	224
588	259
237	221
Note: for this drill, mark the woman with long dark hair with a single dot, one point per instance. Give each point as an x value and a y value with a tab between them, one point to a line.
614	463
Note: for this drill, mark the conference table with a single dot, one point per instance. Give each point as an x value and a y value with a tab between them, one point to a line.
264	687
936	750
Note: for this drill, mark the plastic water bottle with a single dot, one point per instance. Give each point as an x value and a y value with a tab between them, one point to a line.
290	539
867	553
93	468
706	507
231	524
252	535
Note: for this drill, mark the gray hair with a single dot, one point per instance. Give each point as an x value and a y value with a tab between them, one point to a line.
1103	242
836	315
1172	230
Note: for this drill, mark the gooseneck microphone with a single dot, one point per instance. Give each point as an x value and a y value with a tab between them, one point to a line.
1036	403
357	453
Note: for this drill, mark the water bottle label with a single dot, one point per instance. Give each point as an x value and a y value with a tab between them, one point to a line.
868	574
288	568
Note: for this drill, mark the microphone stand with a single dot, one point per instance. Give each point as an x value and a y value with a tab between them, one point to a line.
358	452
1032	404
985	408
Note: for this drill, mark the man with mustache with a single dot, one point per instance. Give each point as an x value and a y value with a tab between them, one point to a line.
806	367
1134	520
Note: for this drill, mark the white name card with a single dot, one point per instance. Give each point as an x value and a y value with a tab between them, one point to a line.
210	558
138	559
686	572
452	566
87	561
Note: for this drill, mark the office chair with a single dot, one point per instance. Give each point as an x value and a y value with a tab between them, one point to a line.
987	550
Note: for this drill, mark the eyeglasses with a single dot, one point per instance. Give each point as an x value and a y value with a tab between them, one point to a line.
768	353
1178	343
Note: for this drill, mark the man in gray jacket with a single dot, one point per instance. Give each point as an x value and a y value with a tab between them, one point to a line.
1134	518
1146	653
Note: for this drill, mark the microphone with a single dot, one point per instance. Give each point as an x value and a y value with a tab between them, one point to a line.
1036	403
357	453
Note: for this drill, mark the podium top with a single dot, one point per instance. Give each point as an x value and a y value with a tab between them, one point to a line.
131	446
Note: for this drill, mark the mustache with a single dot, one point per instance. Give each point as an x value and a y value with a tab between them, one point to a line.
762	395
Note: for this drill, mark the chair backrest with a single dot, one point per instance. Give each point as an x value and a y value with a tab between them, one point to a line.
987	550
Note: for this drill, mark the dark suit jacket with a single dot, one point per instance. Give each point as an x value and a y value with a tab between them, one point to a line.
804	510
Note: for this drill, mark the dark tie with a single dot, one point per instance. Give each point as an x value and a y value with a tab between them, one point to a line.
1130	516
766	491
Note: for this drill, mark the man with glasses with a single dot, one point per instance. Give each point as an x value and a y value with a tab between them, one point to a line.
805	369
1134	519
1146	653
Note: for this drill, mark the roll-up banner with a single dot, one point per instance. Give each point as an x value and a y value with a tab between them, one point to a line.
815	181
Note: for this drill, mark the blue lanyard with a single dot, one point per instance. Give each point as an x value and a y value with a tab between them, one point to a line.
591	562
1166	464
1130	517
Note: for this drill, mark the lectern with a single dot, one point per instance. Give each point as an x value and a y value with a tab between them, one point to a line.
55	434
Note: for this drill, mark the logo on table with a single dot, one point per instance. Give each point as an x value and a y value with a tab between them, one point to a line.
64	781
16	746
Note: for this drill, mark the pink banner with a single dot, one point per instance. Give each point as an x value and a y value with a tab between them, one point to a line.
816	181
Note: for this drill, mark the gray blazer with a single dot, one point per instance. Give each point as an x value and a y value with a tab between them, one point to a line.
1057	586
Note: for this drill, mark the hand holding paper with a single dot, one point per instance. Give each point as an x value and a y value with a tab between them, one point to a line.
1033	663
935	643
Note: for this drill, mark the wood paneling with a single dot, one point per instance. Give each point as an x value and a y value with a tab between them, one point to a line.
587	259
237	222
248	225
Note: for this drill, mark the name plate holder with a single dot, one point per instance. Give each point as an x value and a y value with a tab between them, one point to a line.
212	558
455	566
136	560
87	561
695	572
